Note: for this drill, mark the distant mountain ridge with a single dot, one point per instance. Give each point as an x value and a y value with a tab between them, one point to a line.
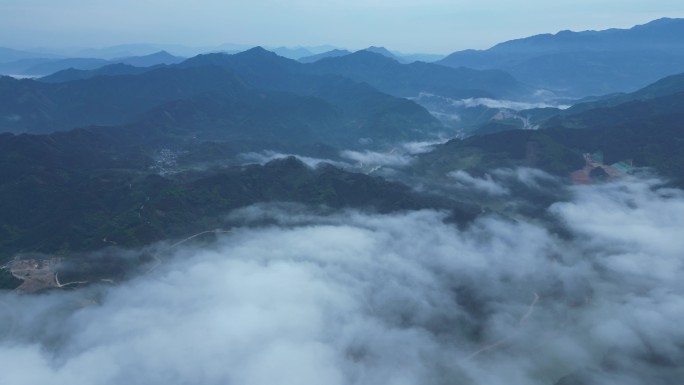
331	79
408	80
588	62
384	52
327	54
72	74
381	70
45	66
10	55
400	57
161	57
253	94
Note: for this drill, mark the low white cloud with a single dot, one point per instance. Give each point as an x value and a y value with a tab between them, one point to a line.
22	76
406	298
415	148
530	177
264	157
622	216
399	156
507	104
485	183
372	158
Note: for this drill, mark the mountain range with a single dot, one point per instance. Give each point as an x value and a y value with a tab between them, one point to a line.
40	66
586	63
171	135
357	214
214	101
166	138
409	80
117	94
143	175
327	54
41	62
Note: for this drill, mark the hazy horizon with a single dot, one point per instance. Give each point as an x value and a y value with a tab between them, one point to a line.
433	26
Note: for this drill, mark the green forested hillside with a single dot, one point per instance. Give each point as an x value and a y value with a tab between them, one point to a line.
68	209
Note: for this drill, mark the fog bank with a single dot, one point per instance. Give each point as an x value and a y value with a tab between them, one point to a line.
405	298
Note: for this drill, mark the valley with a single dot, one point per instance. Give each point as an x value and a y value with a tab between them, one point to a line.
241	214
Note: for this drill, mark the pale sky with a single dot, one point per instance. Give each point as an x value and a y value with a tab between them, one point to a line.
433	26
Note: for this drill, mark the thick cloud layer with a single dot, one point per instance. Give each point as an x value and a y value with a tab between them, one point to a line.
354	298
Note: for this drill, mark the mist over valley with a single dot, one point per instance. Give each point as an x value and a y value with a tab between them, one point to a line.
229	214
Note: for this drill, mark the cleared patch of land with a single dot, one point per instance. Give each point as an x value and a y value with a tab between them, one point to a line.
37	274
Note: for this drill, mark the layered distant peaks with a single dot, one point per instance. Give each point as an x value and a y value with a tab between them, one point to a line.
657	32
371	56
252	56
160	57
324	55
384	52
585	63
257	51
410	80
400	57
667	23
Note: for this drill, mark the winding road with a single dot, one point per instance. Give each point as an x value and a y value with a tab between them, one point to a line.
497	343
